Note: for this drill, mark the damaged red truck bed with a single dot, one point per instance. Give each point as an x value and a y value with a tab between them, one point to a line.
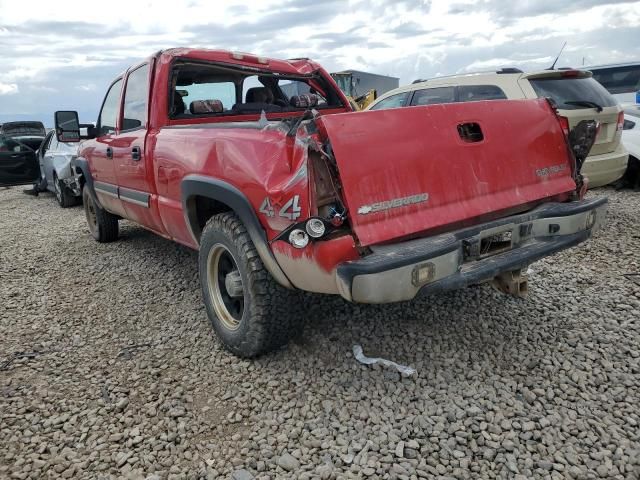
261	165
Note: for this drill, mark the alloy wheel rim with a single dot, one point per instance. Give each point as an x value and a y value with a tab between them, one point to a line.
58	190
226	289
90	211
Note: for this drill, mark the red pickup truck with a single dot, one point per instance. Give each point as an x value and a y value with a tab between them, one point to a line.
261	165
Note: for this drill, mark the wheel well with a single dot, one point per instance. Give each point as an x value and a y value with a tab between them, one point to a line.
206	208
81	179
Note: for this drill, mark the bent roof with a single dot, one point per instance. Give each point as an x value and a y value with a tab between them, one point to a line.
294	66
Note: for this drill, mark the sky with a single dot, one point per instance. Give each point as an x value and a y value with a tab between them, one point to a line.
63	55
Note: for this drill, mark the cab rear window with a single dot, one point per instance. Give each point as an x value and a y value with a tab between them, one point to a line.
573	93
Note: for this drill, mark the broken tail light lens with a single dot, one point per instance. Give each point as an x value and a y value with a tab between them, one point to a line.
620	121
564	124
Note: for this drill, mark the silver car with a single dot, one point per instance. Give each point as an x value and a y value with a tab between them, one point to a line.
55	168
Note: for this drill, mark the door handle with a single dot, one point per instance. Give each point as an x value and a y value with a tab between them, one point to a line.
136	153
109	152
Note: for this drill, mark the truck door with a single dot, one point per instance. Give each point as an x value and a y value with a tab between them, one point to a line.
102	153
18	163
134	171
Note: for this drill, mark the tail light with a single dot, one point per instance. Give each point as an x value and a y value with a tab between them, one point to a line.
564	124
570	73
620	120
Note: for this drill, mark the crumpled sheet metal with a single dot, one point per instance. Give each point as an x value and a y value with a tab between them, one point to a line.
404	370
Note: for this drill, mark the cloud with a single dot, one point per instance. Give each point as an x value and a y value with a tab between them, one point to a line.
409	29
8	88
89	87
506	12
66	58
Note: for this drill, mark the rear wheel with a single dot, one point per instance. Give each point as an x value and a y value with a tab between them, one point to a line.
64	196
250	312
102	224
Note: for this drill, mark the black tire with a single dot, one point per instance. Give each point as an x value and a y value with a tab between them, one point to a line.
102	224
266	318
64	196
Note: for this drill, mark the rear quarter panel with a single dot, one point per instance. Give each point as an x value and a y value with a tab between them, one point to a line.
260	162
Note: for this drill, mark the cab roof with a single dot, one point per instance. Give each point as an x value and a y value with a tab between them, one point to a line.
297	66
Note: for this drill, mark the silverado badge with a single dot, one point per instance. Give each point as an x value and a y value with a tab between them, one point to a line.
394	203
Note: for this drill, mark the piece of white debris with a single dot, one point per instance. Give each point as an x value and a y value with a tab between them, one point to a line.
404	370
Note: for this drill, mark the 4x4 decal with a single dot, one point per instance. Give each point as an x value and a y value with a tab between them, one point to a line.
290	210
266	207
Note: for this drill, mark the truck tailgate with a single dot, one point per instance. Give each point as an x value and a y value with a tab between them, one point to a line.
408	170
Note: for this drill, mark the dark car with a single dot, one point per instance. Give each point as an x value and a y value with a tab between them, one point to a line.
18	159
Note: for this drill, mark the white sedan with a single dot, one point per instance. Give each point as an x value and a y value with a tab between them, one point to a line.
631	141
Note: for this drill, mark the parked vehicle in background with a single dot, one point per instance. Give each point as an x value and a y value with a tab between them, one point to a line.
631	140
577	95
27	132
57	176
622	80
18	144
362	88
282	193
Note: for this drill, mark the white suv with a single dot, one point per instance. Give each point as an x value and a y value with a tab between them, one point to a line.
577	95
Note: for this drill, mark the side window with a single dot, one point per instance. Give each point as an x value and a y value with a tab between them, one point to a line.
135	99
53	144
433	96
109	112
394	101
474	93
619	79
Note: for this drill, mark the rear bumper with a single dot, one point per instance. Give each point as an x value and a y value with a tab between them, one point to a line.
606	168
449	261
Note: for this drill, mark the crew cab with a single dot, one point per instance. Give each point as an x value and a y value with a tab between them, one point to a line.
283	191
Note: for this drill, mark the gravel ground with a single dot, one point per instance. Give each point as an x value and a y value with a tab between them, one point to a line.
108	368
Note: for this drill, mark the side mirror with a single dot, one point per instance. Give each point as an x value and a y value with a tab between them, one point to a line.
67	126
130	123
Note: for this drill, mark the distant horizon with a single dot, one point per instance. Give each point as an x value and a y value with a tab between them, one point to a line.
68	60
48	123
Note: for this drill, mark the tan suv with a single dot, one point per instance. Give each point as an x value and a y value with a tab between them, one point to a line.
577	95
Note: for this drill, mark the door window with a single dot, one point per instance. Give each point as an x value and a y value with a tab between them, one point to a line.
434	96
110	108
135	99
47	143
394	101
53	144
